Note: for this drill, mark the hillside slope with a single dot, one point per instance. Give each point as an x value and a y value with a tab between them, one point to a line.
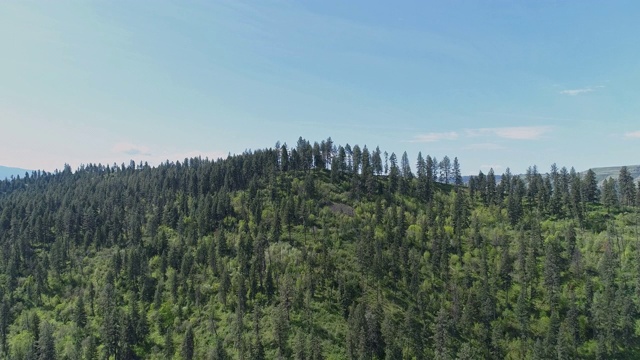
270	254
603	173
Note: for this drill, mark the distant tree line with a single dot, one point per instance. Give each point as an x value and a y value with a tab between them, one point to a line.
560	193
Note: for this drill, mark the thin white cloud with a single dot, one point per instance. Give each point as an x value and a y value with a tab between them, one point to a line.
131	149
512	133
484	146
632	135
509	115
584	90
433	137
574	92
523	132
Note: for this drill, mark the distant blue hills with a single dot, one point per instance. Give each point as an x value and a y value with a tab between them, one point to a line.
6	172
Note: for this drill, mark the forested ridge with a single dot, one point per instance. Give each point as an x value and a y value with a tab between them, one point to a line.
318	251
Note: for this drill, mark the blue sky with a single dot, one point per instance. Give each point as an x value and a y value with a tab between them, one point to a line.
495	83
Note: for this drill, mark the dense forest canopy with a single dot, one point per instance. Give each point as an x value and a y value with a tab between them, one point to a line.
318	251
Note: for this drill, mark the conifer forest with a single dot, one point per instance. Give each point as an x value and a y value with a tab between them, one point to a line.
318	251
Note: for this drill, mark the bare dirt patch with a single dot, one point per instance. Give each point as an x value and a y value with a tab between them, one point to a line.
337	208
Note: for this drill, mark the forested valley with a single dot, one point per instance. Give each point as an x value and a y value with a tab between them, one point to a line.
318	251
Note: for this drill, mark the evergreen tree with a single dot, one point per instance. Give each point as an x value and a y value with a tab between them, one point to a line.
80	315
357	159
394	174
257	349
300	347
169	348
413	332
491	192
468	352
376	161
457	174
576	200
610	193
390	334
627	187
590	187
110	329
219	352
46	343
445	170
441	337
281	328
556	196
188	344
405	175
90	348
424	178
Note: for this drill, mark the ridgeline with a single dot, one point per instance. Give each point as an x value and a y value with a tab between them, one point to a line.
317	252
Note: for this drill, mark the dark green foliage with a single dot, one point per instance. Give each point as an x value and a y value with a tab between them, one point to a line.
90	348
393	348
281	327
269	254
627	187
218	352
169	348
79	314
188	344
610	193
590	190
441	336
364	338
46	342
299	346
111	317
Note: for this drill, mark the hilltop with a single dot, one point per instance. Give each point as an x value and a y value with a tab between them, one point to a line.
275	254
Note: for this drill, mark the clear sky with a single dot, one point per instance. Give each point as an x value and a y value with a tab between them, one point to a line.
495	83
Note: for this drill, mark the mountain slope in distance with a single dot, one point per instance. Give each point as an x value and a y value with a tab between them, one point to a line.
6	172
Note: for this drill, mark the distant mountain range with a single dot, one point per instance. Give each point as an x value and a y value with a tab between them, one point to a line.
6	172
602	173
